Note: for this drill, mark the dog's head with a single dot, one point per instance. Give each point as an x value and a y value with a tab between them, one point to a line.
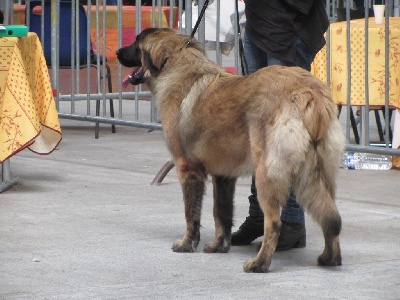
151	51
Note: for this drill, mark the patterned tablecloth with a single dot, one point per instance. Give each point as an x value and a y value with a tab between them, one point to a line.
376	66
376	62
28	116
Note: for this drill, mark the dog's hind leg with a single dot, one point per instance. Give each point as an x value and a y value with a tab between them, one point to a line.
315	188
224	189
272	194
192	180
331	227
324	210
272	178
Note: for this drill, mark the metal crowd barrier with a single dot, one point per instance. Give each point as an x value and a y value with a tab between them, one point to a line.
109	28
366	143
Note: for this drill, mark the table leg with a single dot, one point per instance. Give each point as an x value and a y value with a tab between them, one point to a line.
6	181
396	138
363	126
396	129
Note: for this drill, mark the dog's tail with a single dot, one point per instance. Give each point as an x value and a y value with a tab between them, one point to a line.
316	108
319	116
315	181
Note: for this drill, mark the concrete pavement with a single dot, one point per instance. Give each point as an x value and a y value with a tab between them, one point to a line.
85	223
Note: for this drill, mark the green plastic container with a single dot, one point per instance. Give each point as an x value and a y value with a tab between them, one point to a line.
13	30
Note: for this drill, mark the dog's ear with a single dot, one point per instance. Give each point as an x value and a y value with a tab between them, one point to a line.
154	65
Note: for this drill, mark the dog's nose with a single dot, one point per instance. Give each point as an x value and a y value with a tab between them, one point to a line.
116	52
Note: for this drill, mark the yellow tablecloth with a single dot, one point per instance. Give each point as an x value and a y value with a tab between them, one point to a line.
28	116
376	64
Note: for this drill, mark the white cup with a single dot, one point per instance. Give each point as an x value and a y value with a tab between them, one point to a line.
379	11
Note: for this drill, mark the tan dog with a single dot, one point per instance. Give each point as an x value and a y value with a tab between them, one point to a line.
279	123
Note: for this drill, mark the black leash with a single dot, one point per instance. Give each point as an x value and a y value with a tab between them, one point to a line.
203	10
243	62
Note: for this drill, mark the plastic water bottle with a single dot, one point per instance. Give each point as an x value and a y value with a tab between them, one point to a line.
347	160
365	161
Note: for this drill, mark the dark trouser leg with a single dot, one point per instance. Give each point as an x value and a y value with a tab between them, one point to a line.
292	213
254	208
293	231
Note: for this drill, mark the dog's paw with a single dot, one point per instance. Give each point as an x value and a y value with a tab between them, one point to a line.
324	260
217	247
182	246
255	266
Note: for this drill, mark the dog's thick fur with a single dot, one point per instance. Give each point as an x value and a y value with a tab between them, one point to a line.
279	124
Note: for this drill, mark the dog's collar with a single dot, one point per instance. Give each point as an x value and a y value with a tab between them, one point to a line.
186	44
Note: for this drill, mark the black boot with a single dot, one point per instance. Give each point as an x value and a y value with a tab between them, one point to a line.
251	229
292	235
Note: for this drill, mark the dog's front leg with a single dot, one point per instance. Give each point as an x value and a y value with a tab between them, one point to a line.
224	189
192	180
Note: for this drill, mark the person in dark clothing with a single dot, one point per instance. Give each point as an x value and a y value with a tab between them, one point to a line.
289	33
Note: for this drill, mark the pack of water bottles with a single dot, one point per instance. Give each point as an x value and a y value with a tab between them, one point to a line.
365	161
